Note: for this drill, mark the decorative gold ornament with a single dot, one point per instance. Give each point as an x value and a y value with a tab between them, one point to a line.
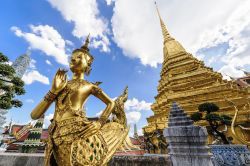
73	139
50	97
233	125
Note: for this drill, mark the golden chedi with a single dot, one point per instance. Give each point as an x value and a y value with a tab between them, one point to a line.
189	82
73	139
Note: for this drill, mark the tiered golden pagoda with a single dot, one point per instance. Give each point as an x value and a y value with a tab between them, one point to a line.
189	82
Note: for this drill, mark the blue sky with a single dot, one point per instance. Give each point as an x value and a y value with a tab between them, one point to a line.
126	43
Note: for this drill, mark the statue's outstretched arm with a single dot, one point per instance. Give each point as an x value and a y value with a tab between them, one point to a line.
59	82
96	91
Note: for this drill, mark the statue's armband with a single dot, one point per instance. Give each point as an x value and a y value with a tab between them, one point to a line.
96	90
50	97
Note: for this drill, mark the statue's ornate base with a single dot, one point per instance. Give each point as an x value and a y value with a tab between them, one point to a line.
230	155
187	143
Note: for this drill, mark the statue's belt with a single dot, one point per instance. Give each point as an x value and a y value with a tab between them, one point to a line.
69	121
71	128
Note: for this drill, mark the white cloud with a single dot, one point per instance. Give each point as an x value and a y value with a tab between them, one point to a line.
136	105
30	76
98	113
109	2
235	22
230	71
84	14
138	32
9	63
132	108
133	117
139	131
46	39
139	71
48	62
29	100
233	31
47	119
131	131
68	42
32	64
32	122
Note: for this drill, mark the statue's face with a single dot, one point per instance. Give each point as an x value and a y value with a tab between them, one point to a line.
78	62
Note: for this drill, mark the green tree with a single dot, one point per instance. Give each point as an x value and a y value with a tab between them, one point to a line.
10	85
214	120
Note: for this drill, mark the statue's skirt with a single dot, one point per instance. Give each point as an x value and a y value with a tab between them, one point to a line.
77	141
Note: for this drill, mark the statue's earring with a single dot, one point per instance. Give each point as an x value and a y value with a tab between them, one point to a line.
87	70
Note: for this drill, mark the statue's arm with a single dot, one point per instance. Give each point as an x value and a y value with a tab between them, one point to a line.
96	91
59	82
42	107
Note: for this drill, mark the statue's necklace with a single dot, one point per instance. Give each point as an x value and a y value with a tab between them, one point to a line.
64	103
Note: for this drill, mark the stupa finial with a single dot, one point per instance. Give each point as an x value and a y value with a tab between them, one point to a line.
165	33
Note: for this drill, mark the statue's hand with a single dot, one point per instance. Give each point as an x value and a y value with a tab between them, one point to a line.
59	81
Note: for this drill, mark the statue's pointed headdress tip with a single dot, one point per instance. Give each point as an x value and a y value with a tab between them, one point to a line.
85	49
126	88
86	44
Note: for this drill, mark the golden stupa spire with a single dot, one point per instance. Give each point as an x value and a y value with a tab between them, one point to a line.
166	35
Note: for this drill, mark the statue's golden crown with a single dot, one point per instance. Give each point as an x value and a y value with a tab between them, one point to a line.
85	50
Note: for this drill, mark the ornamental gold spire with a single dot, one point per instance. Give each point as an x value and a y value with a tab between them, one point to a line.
85	49
165	33
85	46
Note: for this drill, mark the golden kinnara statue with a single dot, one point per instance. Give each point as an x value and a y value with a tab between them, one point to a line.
73	139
